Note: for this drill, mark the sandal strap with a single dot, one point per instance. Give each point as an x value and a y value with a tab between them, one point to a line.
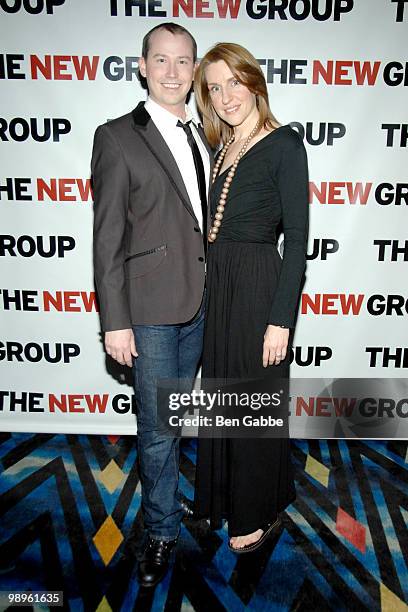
267	530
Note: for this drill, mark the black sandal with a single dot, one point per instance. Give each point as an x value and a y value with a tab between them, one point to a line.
268	531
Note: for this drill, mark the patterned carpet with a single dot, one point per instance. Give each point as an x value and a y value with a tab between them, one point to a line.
70	521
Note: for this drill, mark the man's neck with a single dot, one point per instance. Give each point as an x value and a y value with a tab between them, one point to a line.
178	111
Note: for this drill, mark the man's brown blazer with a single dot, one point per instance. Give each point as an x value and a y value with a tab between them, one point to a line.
149	257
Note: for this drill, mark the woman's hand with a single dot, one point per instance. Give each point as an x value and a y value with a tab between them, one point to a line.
275	345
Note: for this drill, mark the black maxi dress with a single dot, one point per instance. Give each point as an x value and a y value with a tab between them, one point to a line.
248	481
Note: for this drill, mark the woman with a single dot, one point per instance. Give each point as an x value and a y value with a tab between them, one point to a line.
260	180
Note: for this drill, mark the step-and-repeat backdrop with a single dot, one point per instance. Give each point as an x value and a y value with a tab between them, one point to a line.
337	71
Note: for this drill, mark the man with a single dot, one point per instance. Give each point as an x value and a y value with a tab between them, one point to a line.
151	174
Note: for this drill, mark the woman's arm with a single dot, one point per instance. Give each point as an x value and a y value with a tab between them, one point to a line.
293	184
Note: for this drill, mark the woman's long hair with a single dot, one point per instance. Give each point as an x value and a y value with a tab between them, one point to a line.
247	70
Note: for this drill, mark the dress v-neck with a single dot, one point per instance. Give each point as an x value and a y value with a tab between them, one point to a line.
253	147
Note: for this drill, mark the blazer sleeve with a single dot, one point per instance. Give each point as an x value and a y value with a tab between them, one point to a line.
293	185
110	180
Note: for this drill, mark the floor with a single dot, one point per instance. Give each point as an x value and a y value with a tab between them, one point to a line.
70	521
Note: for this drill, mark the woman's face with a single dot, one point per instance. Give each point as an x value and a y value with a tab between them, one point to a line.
232	101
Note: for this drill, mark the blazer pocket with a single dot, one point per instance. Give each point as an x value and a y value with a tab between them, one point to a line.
144	262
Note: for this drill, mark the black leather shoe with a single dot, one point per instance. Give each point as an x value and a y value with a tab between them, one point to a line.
154	563
187	506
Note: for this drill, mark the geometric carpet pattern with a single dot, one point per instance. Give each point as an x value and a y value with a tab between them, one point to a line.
70	521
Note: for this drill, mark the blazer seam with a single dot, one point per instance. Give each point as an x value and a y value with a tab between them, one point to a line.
117	141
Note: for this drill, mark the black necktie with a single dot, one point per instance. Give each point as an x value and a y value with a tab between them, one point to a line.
199	168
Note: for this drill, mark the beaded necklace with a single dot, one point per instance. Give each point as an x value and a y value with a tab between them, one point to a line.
212	236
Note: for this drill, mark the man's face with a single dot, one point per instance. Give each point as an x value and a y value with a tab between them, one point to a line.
169	69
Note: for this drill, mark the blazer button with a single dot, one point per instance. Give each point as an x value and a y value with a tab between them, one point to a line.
201	259
196	229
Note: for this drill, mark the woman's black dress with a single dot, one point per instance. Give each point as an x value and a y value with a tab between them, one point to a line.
248	481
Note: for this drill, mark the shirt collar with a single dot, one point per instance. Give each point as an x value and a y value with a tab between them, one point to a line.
163	117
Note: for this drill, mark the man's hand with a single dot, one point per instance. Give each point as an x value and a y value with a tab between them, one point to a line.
275	345
120	345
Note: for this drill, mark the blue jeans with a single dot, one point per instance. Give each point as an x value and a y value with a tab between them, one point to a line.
165	351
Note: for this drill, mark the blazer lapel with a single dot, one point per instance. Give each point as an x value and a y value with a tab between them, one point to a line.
201	133
158	147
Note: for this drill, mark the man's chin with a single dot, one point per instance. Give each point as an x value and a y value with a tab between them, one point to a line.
173	96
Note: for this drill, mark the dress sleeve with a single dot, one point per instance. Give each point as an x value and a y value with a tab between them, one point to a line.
293	185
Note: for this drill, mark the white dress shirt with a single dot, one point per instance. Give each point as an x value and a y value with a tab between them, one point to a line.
176	140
